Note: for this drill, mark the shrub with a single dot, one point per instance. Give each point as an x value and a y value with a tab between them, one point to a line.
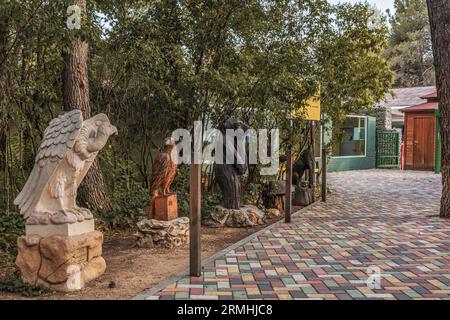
14	284
12	226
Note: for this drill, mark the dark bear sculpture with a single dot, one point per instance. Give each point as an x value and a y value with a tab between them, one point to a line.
304	163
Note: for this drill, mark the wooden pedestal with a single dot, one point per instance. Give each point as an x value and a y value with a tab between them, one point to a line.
166	207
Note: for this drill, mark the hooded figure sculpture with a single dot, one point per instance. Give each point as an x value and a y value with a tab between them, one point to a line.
228	176
67	151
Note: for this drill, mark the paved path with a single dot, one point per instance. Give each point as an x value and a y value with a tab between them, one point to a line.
376	218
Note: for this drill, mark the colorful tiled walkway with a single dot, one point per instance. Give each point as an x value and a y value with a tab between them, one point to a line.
378	218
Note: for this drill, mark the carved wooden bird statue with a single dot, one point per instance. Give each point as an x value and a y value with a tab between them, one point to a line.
163	172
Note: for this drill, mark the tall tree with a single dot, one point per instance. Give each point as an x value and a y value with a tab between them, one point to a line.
439	12
3	80
76	96
410	52
353	72
158	65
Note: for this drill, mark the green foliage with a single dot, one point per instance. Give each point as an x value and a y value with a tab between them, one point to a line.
181	187
155	66
129	197
210	199
11	227
13	284
127	209
410	52
210	196
354	74
253	192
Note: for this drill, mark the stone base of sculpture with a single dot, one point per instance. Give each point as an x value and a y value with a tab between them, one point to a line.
246	216
303	196
166	234
61	263
68	229
165	208
274	195
273	213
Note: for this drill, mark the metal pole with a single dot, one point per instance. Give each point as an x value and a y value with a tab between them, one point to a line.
195	264
288	201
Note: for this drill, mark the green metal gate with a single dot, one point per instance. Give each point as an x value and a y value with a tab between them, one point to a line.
388	149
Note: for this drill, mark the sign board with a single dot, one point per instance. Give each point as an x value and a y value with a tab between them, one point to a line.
81	255
311	110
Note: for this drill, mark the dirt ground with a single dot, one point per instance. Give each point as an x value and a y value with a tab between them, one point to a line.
131	270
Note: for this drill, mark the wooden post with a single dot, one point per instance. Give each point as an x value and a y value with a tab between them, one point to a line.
312	145
288	202
195	264
324	173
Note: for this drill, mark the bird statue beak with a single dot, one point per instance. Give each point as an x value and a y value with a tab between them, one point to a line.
169	142
244	126
114	131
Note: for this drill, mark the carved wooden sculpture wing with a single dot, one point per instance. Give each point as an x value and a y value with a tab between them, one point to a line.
59	137
160	171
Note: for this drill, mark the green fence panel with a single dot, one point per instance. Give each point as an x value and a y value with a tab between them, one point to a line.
388	149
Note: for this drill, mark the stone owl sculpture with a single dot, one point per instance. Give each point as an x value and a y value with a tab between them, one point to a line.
67	151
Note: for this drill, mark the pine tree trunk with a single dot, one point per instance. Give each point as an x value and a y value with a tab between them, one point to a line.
76	96
3	84
439	13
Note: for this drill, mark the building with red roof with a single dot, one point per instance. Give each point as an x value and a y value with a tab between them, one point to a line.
421	149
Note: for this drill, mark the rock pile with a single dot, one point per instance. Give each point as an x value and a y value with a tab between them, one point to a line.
273	213
246	216
167	234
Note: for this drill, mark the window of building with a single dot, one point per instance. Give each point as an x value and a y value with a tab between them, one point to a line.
353	133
